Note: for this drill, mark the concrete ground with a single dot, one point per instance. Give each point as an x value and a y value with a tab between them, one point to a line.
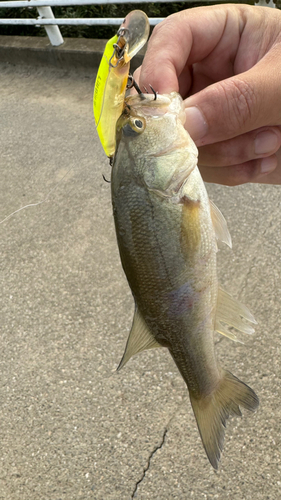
71	428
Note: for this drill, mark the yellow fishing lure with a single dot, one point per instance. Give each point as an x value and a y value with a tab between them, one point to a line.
112	77
109	95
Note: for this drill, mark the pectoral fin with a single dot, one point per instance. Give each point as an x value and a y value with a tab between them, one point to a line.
220	225
231	313
139	339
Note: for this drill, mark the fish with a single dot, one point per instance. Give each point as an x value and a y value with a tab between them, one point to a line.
167	231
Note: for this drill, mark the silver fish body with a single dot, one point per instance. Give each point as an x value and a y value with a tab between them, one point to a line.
166	229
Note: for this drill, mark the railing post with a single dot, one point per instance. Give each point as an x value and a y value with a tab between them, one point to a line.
264	3
53	32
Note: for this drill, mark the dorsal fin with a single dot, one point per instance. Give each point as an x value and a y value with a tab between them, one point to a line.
231	313
139	339
220	225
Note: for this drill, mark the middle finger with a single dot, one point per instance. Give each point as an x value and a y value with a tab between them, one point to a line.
256	144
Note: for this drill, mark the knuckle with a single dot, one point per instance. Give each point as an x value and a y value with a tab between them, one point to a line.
160	29
242	103
156	30
230	175
242	174
230	152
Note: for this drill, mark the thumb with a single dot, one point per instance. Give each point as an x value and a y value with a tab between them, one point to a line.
236	105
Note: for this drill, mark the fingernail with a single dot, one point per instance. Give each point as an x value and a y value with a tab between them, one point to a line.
268	164
266	142
195	123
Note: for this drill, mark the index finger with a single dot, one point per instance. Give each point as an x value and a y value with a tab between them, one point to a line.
181	40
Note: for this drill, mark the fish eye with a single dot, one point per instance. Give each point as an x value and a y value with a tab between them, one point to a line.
138	124
134	127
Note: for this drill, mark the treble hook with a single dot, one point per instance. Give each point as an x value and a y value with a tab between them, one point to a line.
105	179
135	85
154	92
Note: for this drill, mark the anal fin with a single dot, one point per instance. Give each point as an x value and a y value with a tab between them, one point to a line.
140	339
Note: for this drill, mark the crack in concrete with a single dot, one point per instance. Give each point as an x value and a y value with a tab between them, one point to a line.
158	447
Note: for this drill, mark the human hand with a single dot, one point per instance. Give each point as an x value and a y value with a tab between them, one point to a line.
225	61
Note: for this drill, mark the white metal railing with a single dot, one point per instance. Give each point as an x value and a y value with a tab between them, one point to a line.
47	19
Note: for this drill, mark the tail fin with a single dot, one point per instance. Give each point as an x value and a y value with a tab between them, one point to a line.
212	412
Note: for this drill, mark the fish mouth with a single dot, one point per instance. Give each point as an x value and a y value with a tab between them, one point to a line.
164	103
